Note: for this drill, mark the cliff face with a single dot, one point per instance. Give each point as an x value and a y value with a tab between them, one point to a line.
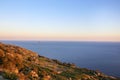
17	63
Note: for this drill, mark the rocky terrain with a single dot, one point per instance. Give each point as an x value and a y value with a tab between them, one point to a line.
18	63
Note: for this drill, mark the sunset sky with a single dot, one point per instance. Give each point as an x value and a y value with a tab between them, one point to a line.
72	20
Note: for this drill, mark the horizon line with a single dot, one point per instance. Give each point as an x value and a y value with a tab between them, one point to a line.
59	40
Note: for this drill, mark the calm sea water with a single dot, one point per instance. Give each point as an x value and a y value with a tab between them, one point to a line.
103	56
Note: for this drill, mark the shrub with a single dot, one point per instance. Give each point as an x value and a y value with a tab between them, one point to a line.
25	70
68	74
10	76
56	61
1	61
59	77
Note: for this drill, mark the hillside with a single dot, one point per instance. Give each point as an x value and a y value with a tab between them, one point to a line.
18	63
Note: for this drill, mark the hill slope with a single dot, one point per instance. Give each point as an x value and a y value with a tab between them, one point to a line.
18	63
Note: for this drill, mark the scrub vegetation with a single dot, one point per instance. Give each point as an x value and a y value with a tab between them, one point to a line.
18	63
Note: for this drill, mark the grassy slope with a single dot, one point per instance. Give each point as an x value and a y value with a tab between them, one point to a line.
19	63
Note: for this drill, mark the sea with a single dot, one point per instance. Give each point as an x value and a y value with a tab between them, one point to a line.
102	56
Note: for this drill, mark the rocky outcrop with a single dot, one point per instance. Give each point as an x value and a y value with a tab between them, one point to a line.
18	63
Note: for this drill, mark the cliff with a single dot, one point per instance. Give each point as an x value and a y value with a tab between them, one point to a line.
18	63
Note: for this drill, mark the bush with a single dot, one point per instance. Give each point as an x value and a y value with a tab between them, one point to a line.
68	74
1	61
56	61
59	77
10	76
25	70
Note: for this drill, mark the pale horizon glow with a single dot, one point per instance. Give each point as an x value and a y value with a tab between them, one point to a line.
60	20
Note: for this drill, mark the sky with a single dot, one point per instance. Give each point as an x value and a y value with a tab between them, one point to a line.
60	20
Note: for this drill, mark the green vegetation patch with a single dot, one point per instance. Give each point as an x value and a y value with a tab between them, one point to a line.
10	76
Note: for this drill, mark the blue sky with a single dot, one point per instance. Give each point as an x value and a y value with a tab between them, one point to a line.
76	20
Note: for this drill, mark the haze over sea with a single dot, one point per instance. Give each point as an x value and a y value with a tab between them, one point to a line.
103	56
